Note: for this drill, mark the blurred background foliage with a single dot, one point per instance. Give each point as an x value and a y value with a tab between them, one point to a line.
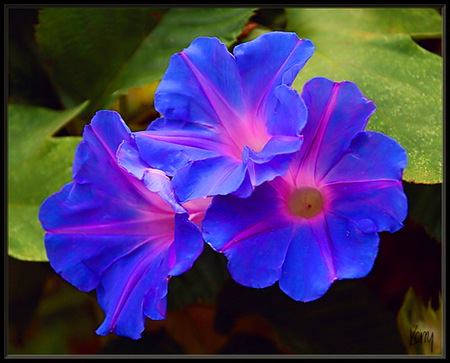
64	64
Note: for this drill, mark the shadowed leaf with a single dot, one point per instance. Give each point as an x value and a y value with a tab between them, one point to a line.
100	53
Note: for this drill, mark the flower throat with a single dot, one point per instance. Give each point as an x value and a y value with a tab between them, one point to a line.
305	202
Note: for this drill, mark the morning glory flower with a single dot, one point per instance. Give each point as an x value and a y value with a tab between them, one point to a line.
121	232
320	221
230	121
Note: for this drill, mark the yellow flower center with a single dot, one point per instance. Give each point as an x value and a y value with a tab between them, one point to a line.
305	202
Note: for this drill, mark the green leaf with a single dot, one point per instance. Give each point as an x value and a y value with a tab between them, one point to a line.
29	127
38	166
419	22
374	49
178	28
100	53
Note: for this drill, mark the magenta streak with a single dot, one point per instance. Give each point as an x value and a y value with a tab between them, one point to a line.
320	230
216	101
369	185
139	186
105	146
185	140
363	181
264	94
265	225
114	228
136	275
308	164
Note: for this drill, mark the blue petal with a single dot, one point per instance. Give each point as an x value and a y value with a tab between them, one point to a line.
159	294
82	259
156	181
266	62
246	187
211	133
257	258
373	189
354	246
290	114
82	209
260	173
382	202
97	150
273	160
214	176
370	156
336	112
124	289
307	270
277	145
264	244
115	228
187	245
201	84
252	235
169	145
323	250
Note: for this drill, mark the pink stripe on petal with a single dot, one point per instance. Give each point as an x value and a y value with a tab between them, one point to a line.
229	119
336	113
145	226
237	130
118	299
261	227
134	278
220	105
322	236
381	201
184	138
314	143
307	273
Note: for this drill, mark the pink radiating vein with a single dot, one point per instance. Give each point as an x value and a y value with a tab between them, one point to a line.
135	276
138	185
220	106
129	228
319	227
263	226
185	140
364	185
276	75
307	167
238	130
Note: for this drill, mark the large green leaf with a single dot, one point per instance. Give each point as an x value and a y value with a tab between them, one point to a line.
100	53
374	49
38	166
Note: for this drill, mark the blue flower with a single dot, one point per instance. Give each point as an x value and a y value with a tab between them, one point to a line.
120	232
230	121
320	221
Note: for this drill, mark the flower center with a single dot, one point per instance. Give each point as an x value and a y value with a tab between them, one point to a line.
246	132
305	202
